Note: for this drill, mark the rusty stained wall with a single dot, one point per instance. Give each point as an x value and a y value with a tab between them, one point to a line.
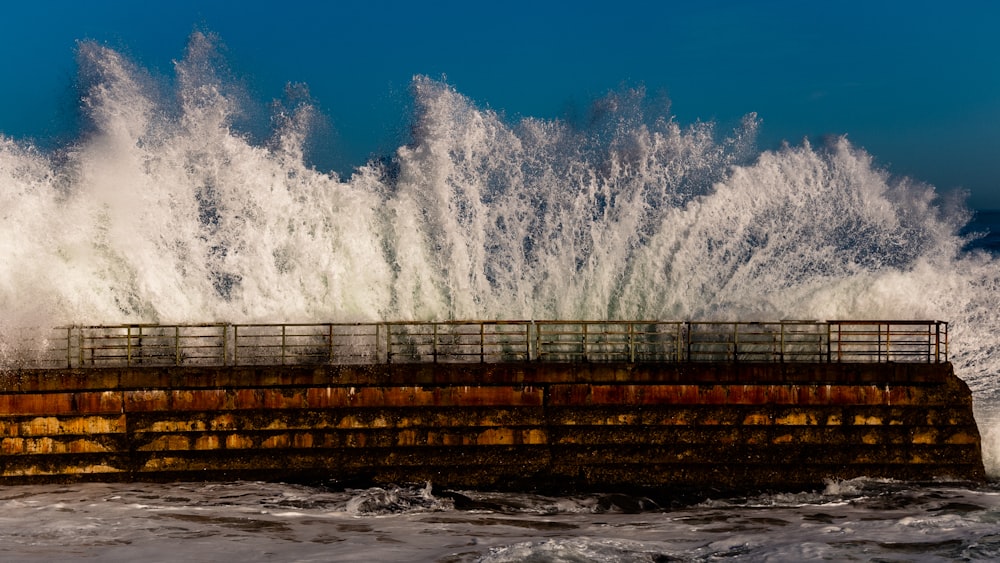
570	426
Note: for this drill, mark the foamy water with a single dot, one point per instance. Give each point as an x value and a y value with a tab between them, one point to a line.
854	520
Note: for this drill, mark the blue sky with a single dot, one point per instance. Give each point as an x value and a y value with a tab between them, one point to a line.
915	83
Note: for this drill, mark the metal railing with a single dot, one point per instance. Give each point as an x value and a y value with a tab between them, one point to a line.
477	342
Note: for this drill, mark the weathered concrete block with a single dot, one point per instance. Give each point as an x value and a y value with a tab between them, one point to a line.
494	425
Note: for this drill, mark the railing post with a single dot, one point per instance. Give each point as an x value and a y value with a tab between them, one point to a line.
687	338
943	335
482	342
937	339
282	344
69	346
434	343
736	342
538	342
781	343
888	343
937	342
678	342
329	355
177	345
631	344
236	344
829	342
946	341
527	341
928	339
388	343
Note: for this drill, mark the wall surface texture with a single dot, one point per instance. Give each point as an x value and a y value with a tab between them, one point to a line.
496	426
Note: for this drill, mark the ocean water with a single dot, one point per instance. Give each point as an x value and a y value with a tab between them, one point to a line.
854	520
168	208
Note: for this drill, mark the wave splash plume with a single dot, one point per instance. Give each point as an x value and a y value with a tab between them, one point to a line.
163	210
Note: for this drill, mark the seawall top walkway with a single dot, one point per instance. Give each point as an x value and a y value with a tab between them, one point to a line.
477	341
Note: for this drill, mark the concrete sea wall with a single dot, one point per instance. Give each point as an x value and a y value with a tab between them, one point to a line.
498	426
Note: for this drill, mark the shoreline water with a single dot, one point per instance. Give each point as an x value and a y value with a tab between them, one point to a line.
259	522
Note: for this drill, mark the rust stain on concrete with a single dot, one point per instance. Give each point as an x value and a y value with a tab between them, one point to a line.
494	426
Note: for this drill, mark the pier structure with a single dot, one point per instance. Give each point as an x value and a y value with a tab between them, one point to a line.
526	405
